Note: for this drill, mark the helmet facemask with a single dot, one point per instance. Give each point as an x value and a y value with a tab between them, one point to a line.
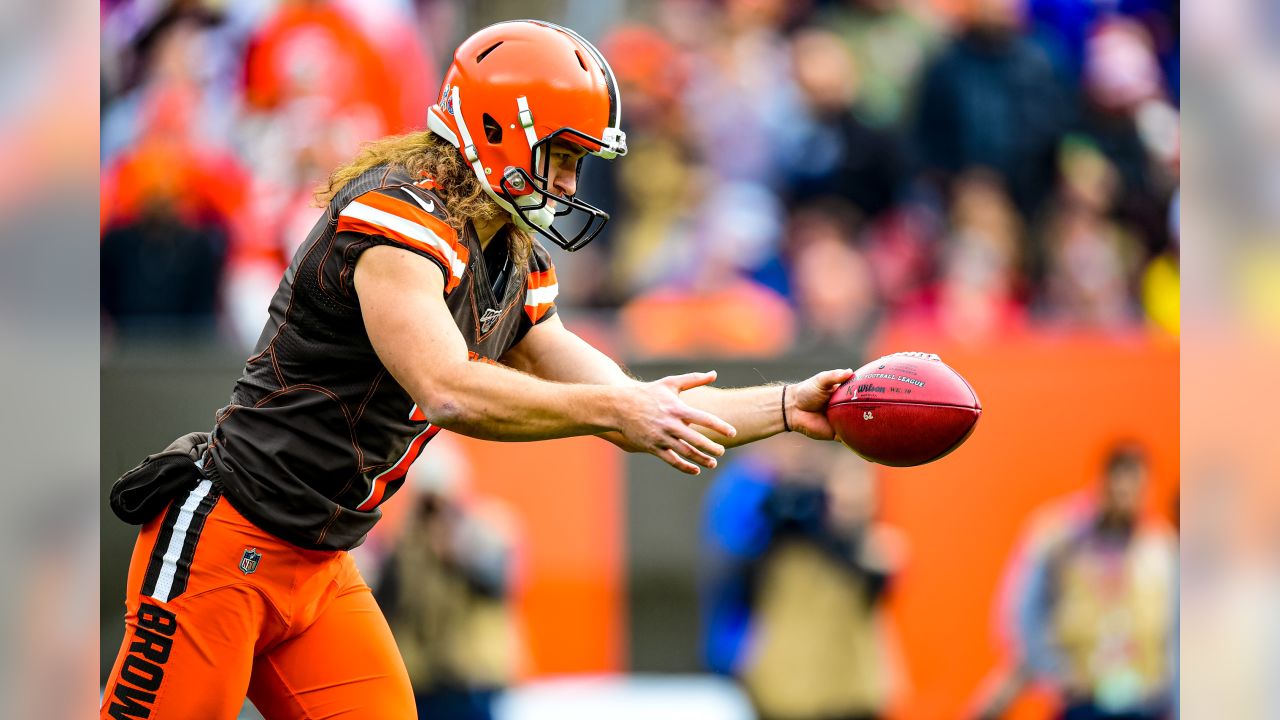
572	222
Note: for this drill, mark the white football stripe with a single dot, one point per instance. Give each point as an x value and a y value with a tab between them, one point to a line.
408	228
541	296
169	564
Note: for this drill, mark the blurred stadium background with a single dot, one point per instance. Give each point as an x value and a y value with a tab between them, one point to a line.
810	184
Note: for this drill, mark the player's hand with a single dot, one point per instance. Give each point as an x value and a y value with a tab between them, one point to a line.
806	405
658	422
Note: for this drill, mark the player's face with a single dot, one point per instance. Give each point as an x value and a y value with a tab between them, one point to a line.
1123	492
562	169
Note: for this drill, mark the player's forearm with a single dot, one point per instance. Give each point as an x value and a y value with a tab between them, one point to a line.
756	412
496	403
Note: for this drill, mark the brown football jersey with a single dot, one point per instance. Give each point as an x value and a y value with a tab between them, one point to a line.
318	433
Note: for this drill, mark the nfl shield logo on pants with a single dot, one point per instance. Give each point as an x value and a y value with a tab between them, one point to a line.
249	561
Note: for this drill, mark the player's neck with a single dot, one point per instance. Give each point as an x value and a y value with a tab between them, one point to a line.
486	231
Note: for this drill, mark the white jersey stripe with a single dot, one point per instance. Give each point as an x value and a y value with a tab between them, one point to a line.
408	228
541	296
394	465
169	564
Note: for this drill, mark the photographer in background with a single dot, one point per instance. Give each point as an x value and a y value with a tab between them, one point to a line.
796	569
446	592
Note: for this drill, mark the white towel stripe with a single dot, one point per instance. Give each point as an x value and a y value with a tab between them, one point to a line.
169	564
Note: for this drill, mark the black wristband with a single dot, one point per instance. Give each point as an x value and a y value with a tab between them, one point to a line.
786	426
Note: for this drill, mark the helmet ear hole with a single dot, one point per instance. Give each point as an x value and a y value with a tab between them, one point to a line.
492	130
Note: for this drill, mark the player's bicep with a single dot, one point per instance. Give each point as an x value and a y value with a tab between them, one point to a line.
552	352
401	297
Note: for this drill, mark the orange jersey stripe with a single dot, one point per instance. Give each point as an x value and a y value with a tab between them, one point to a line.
535	312
409	210
397	471
349	224
541	293
544	278
410	224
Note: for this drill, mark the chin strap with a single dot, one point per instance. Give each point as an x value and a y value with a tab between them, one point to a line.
542	217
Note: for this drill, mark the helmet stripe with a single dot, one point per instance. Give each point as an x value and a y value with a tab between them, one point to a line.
611	82
615	99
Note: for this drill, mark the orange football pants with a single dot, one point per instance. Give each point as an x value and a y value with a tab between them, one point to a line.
217	610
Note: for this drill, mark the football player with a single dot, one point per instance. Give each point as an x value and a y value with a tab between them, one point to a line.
422	300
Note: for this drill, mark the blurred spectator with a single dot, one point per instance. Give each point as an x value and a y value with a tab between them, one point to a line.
796	569
707	303
170	210
186	48
1092	262
741	91
1126	116
837	153
890	41
314	52
978	293
1062	28
649	197
657	189
1161	281
831	280
446	592
159	274
1091	600
991	99
901	250
172	133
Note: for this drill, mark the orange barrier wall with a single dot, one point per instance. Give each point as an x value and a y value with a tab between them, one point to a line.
566	496
1051	405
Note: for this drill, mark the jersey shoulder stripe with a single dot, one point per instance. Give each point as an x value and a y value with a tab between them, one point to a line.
407	222
541	293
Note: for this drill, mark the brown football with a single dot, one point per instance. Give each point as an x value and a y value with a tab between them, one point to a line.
904	409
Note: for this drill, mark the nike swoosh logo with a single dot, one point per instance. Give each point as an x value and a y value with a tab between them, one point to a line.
429	205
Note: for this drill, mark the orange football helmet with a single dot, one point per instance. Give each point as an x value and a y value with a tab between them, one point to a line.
512	89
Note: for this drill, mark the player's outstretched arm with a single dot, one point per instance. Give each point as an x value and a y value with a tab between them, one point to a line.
765	410
553	352
401	298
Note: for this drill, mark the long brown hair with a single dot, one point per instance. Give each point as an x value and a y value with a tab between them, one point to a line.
425	154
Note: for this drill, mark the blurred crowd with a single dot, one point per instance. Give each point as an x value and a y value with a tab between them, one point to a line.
797	565
799	175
